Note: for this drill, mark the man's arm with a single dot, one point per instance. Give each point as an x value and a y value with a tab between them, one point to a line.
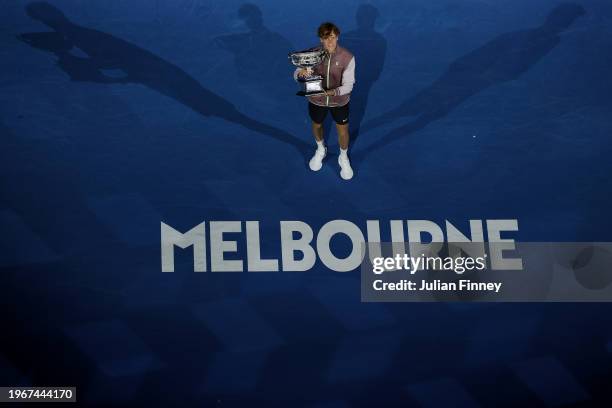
348	79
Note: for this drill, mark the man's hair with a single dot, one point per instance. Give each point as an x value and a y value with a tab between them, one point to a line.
326	29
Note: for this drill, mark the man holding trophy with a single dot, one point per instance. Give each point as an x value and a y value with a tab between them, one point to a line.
327	74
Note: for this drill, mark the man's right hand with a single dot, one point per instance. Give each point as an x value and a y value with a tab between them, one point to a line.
305	72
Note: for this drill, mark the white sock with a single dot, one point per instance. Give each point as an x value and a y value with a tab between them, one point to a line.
320	144
343	152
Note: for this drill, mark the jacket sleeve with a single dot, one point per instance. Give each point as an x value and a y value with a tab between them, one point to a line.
348	79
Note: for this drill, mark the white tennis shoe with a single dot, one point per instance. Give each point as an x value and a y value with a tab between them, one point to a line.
346	172
317	160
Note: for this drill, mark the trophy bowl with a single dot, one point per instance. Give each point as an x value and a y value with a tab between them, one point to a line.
311	84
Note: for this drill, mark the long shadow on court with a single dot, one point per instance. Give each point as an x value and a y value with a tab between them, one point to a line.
503	59
258	52
370	48
137	65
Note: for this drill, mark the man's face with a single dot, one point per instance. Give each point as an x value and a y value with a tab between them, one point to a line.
330	42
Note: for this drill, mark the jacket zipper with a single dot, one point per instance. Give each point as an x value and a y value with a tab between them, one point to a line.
327	79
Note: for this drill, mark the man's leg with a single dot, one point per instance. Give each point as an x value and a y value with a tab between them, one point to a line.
341	117
317	116
317	131
343	135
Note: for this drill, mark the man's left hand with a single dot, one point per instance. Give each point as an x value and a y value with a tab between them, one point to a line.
330	92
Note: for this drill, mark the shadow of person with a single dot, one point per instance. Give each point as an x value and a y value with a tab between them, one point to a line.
259	54
132	64
370	49
503	59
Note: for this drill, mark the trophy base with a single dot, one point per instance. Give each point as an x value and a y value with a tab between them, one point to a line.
310	93
312	85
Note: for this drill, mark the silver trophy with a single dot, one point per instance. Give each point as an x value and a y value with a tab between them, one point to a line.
311	84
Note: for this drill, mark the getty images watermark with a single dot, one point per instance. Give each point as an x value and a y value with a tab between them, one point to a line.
487	271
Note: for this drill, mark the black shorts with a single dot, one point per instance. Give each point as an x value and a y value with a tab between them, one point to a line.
339	113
